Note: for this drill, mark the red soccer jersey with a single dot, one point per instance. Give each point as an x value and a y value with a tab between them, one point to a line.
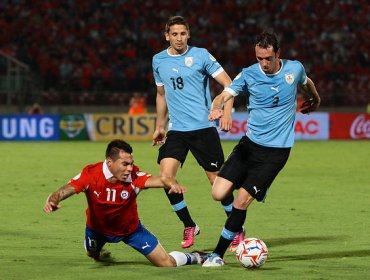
112	208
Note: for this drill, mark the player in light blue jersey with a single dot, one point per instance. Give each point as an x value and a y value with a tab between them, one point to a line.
181	74
271	88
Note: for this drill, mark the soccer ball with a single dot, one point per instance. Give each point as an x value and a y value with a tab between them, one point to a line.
252	252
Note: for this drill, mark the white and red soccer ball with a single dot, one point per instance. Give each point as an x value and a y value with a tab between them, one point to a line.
252	253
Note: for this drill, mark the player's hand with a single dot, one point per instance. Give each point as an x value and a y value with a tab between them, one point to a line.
309	106
176	188
215	114
51	206
225	123
159	136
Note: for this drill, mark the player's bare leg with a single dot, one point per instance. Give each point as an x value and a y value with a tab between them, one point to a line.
221	189
159	257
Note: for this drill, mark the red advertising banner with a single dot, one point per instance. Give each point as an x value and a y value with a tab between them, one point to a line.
349	126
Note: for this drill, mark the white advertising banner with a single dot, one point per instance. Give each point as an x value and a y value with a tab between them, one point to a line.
314	126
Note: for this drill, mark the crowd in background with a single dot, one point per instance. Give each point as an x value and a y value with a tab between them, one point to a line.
86	47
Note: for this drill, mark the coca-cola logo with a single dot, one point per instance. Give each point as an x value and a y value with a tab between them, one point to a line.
360	128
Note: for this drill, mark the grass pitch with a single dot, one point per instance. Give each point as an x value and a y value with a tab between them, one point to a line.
315	221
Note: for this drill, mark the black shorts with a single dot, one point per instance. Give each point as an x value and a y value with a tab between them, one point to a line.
204	144
254	167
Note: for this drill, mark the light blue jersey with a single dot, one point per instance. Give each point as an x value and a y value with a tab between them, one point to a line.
185	79
272	102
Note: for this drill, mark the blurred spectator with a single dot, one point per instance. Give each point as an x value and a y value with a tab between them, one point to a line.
137	104
35	109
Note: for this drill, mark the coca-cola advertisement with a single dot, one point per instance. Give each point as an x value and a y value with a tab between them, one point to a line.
349	126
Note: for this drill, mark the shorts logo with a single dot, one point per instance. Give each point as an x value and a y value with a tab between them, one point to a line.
93	244
125	195
145	246
256	190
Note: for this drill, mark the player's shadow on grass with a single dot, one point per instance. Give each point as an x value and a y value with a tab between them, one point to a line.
312	256
326	255
114	263
106	259
318	255
275	242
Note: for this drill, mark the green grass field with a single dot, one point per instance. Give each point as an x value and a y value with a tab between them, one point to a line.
315	222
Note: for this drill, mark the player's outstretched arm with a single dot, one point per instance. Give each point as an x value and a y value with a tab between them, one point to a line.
161	106
165	182
225	122
217	109
314	100
53	201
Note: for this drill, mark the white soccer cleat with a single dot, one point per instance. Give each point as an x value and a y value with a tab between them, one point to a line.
213	260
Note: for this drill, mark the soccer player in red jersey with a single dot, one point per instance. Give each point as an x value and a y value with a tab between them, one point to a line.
111	188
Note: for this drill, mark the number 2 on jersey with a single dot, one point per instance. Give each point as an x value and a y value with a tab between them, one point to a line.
276	101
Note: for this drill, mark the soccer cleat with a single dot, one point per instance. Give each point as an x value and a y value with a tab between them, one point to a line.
189	233
213	260
237	239
200	256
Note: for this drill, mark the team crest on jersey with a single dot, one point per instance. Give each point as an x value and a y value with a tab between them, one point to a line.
289	78
189	61
125	195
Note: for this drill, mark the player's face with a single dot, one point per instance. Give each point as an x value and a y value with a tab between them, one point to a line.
178	36
268	59
121	168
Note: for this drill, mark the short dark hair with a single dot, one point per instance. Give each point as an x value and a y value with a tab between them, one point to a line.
176	20
115	147
266	39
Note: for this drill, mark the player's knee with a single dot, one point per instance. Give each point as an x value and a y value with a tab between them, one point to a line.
160	258
221	189
217	196
242	202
